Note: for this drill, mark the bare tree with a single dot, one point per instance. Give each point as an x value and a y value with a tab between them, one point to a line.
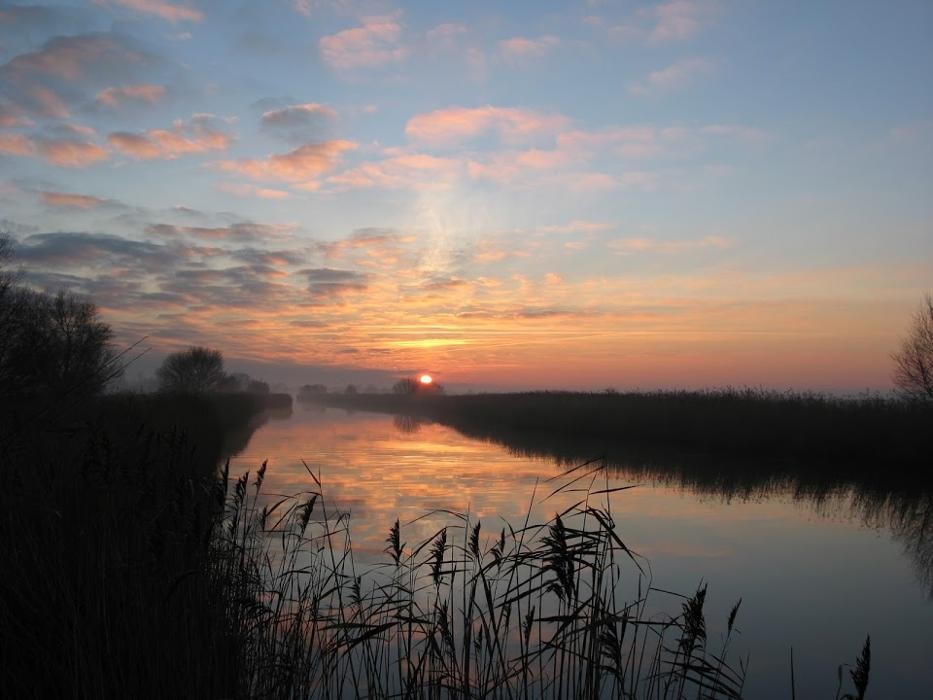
197	369
913	363
405	387
53	345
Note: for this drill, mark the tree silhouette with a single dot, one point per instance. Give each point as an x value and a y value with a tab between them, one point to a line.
405	387
195	370
913	363
53	345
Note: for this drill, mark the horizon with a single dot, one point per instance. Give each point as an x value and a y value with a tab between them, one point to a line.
683	194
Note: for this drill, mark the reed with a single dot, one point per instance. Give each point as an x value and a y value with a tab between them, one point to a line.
534	610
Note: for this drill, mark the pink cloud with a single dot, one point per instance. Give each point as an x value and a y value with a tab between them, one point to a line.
16	145
456	124
304	163
375	43
114	96
165	10
71	153
402	170
198	135
70	201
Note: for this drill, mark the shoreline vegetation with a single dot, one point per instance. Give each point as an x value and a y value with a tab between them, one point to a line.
874	434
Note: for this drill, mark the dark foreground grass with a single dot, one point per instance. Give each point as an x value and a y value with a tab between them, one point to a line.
132	569
866	433
105	524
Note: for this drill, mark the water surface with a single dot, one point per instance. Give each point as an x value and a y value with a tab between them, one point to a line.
816	568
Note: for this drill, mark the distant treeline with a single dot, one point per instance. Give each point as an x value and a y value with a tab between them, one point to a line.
884	433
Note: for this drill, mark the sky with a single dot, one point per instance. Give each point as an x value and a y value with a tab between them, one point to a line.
580	194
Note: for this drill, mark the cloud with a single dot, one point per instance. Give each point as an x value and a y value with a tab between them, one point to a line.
445	35
71	58
68	249
629	246
116	96
12	116
63	200
680	19
165	10
403	170
243	232
17	145
299	122
373	44
304	163
457	124
676	75
70	152
198	135
242	190
667	22
44	81
577	226
330	283
521	48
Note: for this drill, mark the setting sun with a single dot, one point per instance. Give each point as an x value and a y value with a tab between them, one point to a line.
425	379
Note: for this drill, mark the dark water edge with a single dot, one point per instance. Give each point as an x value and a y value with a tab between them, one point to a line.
893	493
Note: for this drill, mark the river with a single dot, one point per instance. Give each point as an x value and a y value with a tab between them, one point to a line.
816	570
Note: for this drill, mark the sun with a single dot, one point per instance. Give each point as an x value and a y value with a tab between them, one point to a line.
425	379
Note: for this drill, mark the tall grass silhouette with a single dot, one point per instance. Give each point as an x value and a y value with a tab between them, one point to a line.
531	610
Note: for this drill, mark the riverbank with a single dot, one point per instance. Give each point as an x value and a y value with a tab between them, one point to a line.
109	506
864	434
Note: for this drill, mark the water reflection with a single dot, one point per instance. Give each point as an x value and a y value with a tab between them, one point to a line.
408	425
818	560
905	509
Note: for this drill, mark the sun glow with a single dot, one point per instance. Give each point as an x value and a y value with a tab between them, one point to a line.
425	379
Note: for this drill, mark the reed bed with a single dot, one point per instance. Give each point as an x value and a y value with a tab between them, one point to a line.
822	431
528	611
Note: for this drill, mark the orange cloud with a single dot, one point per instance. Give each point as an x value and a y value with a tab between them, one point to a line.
456	124
198	135
165	10
113	96
304	163
375	43
70	201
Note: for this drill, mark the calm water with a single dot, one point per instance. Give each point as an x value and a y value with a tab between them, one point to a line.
814	573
